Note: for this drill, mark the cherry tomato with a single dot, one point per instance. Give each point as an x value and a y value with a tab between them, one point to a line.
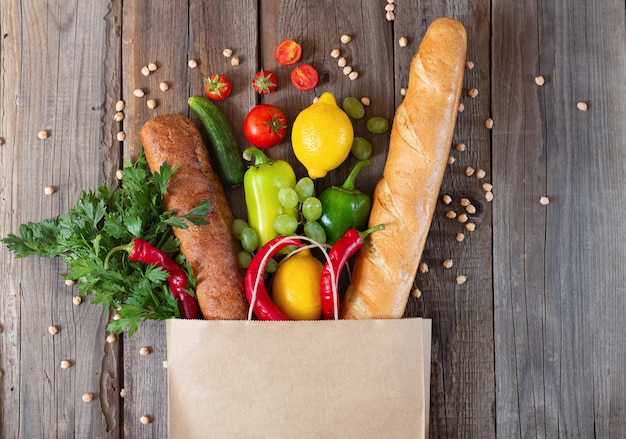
264	82
304	77
217	87
288	52
265	126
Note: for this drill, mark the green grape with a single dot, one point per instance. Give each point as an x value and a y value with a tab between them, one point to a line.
305	188
312	208
377	125
244	258
361	148
353	108
315	231
237	226
288	197
271	266
285	224
249	239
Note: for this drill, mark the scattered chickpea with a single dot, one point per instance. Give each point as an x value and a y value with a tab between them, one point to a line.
403	91
469	171
470	227
451	160
342	62
118	117
461	107
66	364
461	279
49	190
53	330
469	65
145	71
347	70
416	293
234	61
121	136
390	1
447	199
489	197
472	93
423	267
480	174
544	201
353	75
144	351
451	214
111	338
164	364
120	105
471	209
315	99
77	300
119	174
365	101
164	86
462	218
487	187
345	39
390	16
460	147
448	263
192	63
116	316
390	7
87	397
152	104
152	66
335	53
460	237
122	393
43	134
145	420
465	202
403	42
69	282
138	93
582	106
489	123
540	80
227	53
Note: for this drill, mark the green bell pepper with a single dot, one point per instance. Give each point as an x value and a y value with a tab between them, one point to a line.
344	207
261	184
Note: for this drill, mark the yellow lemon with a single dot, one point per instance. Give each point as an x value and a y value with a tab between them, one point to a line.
321	136
296	287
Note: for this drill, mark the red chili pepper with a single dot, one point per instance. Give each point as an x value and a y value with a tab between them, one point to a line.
142	251
264	308
341	251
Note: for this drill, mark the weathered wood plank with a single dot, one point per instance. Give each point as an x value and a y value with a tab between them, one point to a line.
462	381
558	280
52	79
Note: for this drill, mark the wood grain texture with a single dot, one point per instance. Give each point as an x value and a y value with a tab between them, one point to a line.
48	82
558	276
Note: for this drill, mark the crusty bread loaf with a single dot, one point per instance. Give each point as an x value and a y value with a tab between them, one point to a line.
405	198
210	249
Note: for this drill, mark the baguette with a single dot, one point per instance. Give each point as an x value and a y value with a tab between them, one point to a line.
211	250
405	198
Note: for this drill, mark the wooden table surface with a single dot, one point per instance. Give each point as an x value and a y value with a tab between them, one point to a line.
531	345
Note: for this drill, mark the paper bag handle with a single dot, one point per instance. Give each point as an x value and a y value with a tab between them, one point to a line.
312	244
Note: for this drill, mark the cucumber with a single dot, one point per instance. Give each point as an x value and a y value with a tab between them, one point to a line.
225	151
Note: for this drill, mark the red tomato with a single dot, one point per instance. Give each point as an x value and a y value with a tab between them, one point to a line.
217	87
304	77
265	126
264	82
288	52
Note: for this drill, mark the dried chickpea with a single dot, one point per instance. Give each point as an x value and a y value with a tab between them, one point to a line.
451	214
465	202
353	75
152	66
152	104
164	86
145	71
121	136
403	42
49	190
53	330
472	93
347	70
416	293
461	107
489	123
234	61
390	16
540	80
139	93
145	420
423	267
544	201
69	282
461	279
43	134
87	397
342	62
448	263
469	65
66	364
471	209
470	227
460	237
489	196
192	63
460	147
119	174
335	53
119	116
462	218
480	174
582	106
120	105
227	53
345	39
365	101
447	199
111	338
469	171
144	351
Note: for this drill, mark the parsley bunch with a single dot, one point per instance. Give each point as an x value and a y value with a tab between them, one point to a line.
104	219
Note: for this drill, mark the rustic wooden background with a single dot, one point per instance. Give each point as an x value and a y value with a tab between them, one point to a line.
532	345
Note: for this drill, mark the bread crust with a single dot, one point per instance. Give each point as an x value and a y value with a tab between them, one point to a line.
210	249
405	198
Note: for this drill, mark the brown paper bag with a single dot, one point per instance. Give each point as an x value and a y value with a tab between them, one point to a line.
322	379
